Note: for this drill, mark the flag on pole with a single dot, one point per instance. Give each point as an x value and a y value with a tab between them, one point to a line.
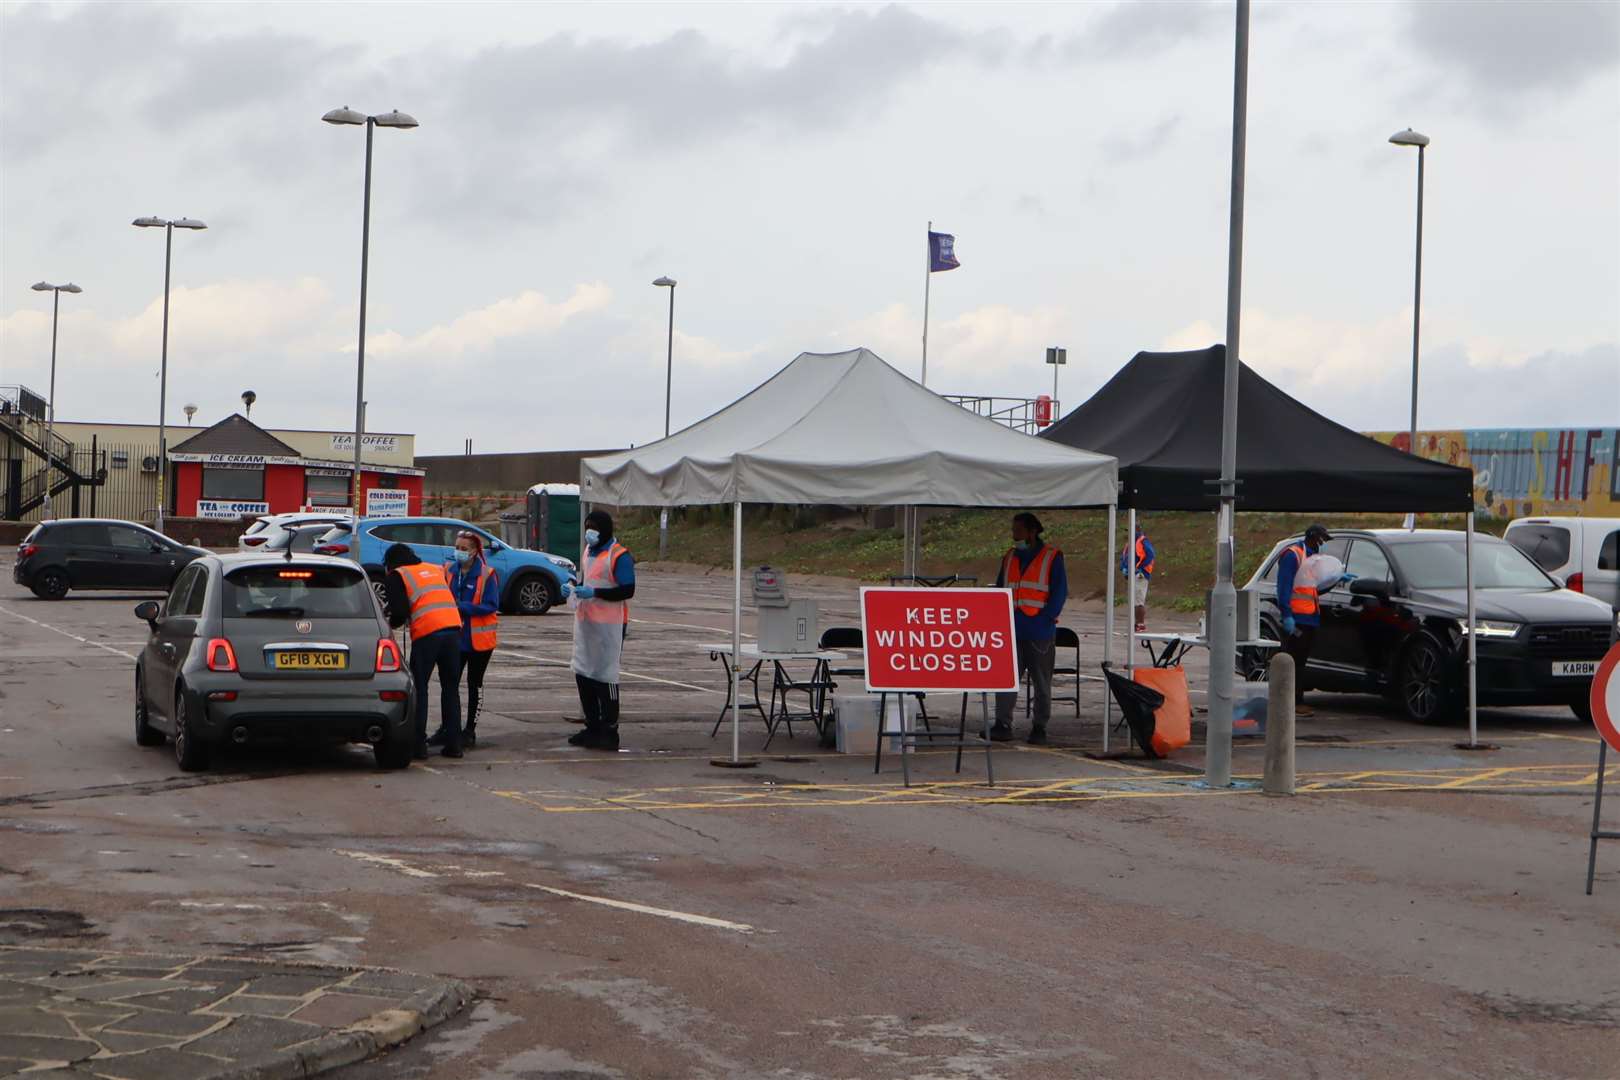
941	252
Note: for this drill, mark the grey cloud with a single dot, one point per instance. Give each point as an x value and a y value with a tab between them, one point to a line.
1136	145
1501	47
1141	28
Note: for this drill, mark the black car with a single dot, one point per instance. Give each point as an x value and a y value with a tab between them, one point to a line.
98	553
1400	627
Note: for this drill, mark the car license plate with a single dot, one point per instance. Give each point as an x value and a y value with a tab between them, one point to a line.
310	661
1575	667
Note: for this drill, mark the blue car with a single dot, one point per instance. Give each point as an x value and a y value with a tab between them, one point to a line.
531	581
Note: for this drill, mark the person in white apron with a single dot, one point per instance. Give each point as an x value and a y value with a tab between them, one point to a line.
601	617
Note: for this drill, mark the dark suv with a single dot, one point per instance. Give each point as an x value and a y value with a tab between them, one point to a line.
1400	627
98	553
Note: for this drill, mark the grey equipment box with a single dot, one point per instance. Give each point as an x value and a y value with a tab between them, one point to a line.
785	625
1248	613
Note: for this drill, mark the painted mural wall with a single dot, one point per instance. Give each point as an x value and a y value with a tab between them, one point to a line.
1524	472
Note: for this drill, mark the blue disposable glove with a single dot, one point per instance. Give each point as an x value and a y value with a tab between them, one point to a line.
583	592
1288	626
1347	579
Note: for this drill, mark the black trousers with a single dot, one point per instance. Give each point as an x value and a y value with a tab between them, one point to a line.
1298	646
476	664
441	652
600	701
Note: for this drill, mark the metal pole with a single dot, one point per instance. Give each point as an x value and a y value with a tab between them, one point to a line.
669	388
360	364
1417	307
163	377
95	468
1108	624
50	423
1597	816
736	626
1130	586
1473	669
928	280
1223	608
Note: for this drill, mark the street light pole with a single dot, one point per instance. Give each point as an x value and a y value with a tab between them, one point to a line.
394	119
56	292
1223	601
669	385
168	228
1413	138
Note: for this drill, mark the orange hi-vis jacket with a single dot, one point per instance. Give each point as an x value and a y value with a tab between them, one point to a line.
433	605
483	626
1303	599
1144	565
1031	585
599	575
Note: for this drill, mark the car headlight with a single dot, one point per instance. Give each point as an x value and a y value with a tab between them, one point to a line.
1493	628
566	564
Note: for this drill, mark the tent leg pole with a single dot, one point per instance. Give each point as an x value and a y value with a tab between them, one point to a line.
1130	587
1108	623
735	760
1473	668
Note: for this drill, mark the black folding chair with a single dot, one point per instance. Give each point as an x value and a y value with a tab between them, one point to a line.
1137	703
840	638
1066	639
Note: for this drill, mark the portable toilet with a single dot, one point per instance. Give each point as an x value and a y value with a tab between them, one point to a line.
553	513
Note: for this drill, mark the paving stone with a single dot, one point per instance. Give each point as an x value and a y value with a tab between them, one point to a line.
157	1065
251	1036
90	1015
397	981
49	959
162	1023
186	999
123	989
290	985
249	1005
341	1010
121	1043
45	1048
16	995
34	1021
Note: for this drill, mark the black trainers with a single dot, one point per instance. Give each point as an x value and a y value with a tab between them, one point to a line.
451	751
600	740
1000	733
437	738
420	753
1037	736
580	738
469	739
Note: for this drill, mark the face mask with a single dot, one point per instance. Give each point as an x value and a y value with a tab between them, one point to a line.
1021	545
463	557
591	537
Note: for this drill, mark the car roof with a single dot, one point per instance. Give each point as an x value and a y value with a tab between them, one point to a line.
416	519
97	521
237	560
1397	535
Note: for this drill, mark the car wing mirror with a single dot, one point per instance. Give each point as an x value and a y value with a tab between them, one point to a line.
150	611
1369	587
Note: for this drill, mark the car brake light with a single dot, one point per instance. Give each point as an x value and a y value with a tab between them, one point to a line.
387	655
1576	583
254	541
332	549
26	550
391	695
296	574
221	657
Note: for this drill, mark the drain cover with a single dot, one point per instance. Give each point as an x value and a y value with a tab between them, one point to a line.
30	924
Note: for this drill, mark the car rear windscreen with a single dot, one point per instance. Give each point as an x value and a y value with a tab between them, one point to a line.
296	591
1547	544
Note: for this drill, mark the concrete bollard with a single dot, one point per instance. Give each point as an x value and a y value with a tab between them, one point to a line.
1279	778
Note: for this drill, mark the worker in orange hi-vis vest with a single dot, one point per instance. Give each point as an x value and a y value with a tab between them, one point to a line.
419	596
1301	613
1033	570
477	588
1145	558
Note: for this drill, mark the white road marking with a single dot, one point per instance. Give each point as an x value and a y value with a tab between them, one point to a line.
403	867
622	674
64	633
385	861
643	909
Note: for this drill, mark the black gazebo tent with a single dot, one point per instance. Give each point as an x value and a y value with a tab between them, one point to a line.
1161	417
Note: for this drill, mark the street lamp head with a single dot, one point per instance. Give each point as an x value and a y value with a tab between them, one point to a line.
149	222
45	286
188	223
1409	138
72	288
40	286
665	283
344	115
396	119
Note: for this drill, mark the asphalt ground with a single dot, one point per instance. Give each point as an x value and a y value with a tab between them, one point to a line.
1417	911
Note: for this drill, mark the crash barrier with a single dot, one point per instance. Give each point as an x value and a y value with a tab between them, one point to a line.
1279	774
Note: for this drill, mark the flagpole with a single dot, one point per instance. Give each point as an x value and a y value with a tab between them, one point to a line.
928	276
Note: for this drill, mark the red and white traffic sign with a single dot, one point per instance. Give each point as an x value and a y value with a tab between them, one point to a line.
938	640
1606	698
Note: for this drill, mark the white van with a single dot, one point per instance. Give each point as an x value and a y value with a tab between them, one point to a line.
1584	552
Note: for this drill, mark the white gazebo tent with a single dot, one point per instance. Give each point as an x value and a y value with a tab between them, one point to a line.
844	428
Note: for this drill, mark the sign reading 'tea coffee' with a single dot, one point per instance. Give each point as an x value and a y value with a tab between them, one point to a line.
228	510
938	640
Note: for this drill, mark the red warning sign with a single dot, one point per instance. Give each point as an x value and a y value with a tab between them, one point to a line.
938	640
1606	698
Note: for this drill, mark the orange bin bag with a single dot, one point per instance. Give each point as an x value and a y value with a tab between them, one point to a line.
1172	722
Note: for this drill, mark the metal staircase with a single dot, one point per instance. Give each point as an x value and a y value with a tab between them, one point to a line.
37	458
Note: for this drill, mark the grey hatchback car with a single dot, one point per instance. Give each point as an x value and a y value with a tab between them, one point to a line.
251	648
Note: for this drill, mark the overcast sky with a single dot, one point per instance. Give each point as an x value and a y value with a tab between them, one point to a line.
782	162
